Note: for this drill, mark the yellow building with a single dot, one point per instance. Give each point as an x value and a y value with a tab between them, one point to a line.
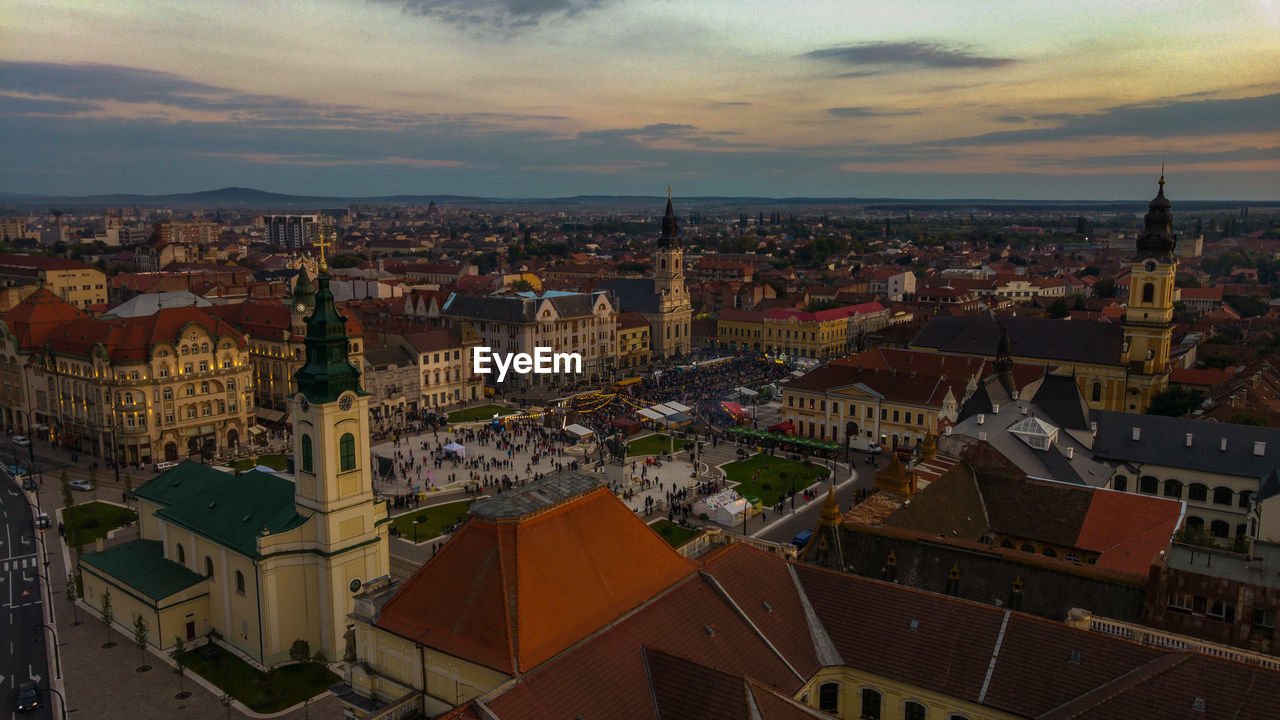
798	333
72	280
633	340
1148	319
256	559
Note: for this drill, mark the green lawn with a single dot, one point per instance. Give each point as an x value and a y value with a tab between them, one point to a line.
275	462
94	520
653	445
480	412
776	474
675	534
261	692
434	519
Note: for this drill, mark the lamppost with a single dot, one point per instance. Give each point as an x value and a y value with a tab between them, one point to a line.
61	699
57	657
415	529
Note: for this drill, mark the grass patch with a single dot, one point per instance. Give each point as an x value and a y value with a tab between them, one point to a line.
653	445
262	692
675	534
481	412
275	462
776	475
434	519
94	520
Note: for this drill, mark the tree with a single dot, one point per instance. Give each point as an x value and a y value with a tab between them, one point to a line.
1244	418
1105	287
1059	309
68	499
140	634
107	614
179	651
226	701
300	651
71	598
1175	402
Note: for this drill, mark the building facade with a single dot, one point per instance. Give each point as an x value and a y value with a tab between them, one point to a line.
72	280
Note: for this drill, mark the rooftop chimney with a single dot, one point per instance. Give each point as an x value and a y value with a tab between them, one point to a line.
1223	446
1259	448
1071	453
981	418
1137	434
1188	439
1024	409
982	436
995	408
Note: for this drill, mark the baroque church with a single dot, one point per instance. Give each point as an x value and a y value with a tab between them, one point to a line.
1118	366
663	299
256	559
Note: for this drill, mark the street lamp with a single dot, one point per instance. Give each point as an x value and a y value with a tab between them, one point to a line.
416	520
61	699
57	657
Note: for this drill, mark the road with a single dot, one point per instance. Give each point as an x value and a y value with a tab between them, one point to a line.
22	594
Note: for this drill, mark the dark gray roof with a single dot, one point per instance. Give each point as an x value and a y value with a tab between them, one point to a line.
1045	339
537	496
634	294
992	391
1163	441
395	355
1270	485
1059	398
515	309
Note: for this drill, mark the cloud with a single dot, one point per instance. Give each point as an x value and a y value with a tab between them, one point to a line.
19	105
497	14
886	56
1160	119
862	111
1010	119
332	160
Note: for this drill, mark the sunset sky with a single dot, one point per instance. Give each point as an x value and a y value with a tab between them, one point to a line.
537	98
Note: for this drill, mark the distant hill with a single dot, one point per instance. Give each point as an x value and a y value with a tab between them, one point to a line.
240	198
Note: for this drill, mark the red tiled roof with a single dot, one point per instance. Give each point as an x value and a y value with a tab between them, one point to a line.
1129	530
470	601
1207	377
37	315
825	315
131	339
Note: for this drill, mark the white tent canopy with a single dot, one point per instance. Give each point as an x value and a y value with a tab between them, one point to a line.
454	447
665	410
650	414
677	406
577	430
747	392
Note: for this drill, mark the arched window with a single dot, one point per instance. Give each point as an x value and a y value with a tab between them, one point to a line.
829	697
306	453
1148	293
168	393
239	582
1148	485
1173	489
1050	552
1097	392
870	704
914	711
208	567
1222	496
347	452
1245	497
1219	528
1198	492
1241	529
1027	547
182	555
1121	483
1195	523
1006	544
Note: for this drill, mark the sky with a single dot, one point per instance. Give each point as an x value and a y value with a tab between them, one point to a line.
1082	99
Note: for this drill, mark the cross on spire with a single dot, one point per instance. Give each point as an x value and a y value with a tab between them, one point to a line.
322	243
669	190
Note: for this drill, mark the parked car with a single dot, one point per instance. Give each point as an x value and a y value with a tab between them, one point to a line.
20	440
802	539
165	465
28	483
42	521
81	485
28	698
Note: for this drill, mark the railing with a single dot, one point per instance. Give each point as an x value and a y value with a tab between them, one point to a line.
408	706
1168	641
715	536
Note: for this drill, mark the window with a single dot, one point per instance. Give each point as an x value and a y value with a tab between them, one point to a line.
208	567
895	416
1050	552
1180	601
1263	618
913	711
1198	492
231	383
1222	496
1097	392
239	582
1027	547
182	555
829	697
347	452
1148	485
1172	488
1121	483
1245	497
306	454
870	704
1219	528
1148	293
1224	611
920	418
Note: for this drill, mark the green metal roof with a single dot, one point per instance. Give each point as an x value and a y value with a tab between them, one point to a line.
182	482
141	565
233	513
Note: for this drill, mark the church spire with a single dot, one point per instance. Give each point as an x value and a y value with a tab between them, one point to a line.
1157	240
327	372
669	229
1004	351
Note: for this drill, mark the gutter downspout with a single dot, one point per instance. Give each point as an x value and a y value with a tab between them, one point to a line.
257	578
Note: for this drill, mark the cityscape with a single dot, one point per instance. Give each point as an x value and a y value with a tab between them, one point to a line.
610	360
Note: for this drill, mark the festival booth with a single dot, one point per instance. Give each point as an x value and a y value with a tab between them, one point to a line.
783	428
726	508
627	425
736	411
456	449
578	432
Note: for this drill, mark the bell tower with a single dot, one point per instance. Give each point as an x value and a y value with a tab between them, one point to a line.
671	332
1148	319
334	480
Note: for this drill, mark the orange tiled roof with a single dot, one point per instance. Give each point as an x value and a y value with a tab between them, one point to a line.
581	565
1128	530
37	315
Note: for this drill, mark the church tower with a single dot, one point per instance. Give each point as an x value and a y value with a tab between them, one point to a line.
302	301
1148	320
670	334
332	468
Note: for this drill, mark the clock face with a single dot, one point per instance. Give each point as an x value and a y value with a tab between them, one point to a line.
300	307
355	585
1151	266
344	404
304	404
